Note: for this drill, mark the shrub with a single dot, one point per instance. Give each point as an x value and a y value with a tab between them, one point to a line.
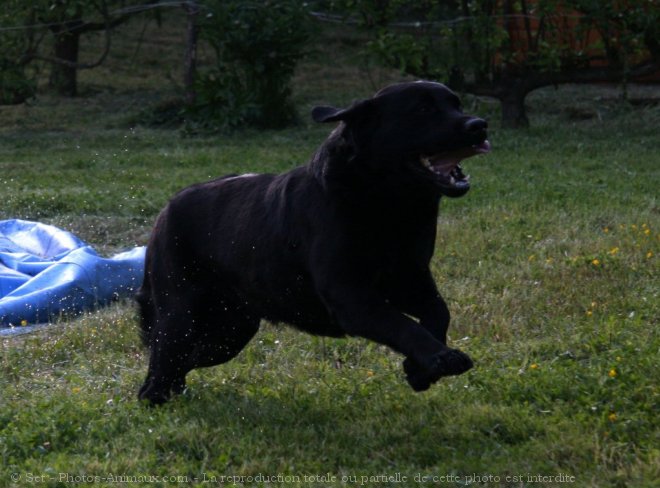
256	46
16	86
17	80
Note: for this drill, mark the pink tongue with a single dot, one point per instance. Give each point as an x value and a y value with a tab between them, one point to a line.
446	163
484	147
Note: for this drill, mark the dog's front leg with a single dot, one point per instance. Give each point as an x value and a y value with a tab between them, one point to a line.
433	316
360	311
415	293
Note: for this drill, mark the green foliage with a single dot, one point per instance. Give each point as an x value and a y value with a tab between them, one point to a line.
627	29
257	46
16	84
507	49
17	81
429	39
409	36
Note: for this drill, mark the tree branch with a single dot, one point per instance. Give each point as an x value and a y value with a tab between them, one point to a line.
532	81
79	27
77	32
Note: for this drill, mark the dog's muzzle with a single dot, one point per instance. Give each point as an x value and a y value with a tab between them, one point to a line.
447	170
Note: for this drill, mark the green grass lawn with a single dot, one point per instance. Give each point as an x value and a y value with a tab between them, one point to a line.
549	265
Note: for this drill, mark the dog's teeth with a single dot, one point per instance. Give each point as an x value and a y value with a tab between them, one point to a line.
452	180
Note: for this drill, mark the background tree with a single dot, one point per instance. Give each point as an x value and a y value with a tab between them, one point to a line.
507	48
68	21
50	31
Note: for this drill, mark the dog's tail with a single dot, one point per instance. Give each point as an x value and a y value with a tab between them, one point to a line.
144	299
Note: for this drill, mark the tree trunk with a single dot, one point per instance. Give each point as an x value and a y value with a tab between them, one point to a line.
513	109
63	78
190	60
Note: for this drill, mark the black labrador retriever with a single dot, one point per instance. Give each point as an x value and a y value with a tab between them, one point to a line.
340	246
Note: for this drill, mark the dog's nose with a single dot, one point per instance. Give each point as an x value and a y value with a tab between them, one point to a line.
476	125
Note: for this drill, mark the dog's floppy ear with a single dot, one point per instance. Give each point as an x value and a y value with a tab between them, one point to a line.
332	114
326	114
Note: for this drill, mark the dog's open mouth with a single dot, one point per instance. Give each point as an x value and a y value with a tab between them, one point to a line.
447	169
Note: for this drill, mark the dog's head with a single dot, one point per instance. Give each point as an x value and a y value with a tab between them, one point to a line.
417	128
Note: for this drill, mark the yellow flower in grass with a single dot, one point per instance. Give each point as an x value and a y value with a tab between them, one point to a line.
613	251
649	255
612	373
596	262
24	323
370	373
612	417
75	389
533	366
590	313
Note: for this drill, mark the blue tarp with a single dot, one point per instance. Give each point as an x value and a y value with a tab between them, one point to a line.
46	272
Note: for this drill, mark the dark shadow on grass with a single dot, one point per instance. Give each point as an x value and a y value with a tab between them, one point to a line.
398	427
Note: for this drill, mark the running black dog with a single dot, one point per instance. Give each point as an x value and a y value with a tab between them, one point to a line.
340	246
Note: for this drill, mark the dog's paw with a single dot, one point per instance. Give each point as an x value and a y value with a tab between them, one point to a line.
416	376
449	362
153	395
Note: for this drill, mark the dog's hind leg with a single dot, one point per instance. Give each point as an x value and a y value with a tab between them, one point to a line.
169	361
171	340
199	332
